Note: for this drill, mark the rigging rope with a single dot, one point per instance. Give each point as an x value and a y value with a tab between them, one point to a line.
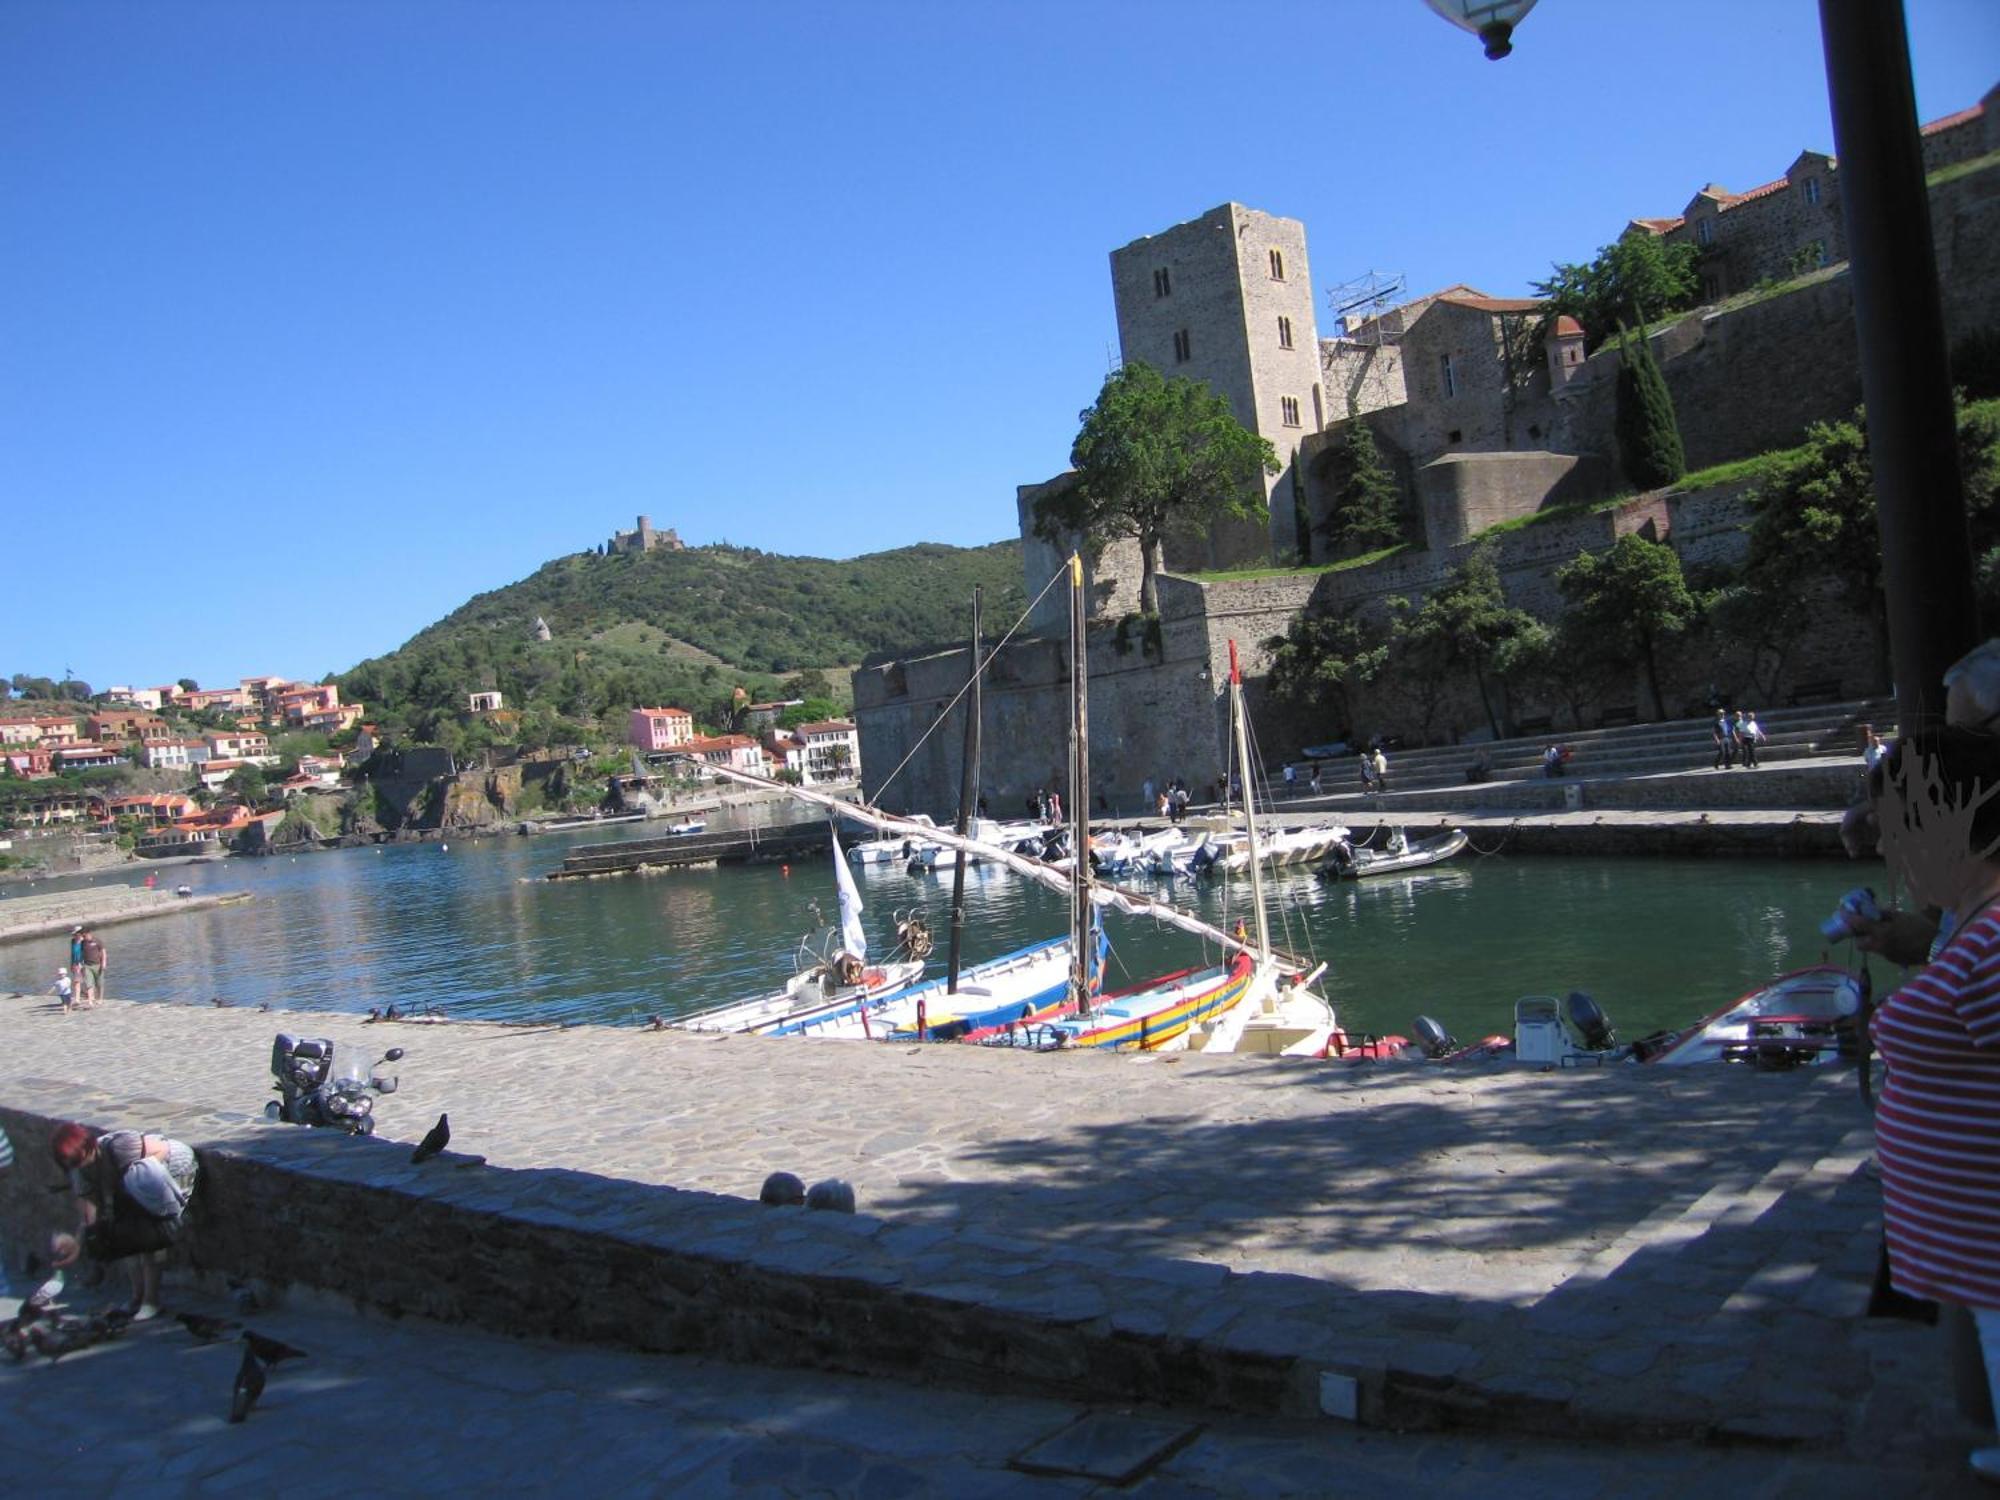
945	712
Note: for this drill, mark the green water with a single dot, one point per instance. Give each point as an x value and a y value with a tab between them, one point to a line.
475	930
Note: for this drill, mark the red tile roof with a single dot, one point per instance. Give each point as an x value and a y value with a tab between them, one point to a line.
1497	304
1661	226
1960	118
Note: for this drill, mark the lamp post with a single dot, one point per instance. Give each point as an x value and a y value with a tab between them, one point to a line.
1492	21
1905	380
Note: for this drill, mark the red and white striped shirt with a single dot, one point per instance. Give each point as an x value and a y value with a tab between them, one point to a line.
1937	1124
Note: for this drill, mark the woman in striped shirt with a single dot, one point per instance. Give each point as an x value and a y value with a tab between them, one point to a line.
1937	1126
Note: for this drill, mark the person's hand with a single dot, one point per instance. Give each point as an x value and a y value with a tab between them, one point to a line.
1902	937
89	1210
63	1249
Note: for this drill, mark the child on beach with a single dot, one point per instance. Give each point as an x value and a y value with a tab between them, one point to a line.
64	989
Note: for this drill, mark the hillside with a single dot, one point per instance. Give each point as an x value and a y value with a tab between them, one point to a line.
686	628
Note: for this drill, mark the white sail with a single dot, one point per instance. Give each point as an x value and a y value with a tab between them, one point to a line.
852	939
1112	897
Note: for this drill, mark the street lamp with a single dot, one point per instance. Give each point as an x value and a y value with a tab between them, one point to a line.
1492	21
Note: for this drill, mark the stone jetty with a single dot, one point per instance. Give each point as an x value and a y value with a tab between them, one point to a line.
43	914
1615	1253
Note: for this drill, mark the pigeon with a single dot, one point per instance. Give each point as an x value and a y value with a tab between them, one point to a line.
434	1141
206	1330
218	1001
654	1023
270	1350
374	1015
265	1006
249	1386
392	1014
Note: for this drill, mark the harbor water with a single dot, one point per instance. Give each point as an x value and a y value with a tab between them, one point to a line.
474	930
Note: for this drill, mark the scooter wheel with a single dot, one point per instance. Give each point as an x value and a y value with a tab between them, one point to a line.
366	1126
273	1110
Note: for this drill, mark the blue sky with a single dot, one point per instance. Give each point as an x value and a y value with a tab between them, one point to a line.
320	318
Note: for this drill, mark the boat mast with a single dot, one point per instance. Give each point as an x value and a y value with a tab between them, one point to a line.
1081	947
1241	727
968	789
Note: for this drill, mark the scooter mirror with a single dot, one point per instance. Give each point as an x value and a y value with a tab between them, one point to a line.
394	1054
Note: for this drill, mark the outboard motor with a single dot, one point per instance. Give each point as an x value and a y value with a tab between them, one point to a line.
1433	1038
1588	1022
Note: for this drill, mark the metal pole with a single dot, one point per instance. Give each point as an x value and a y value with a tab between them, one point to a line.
1905	381
968	783
1079	783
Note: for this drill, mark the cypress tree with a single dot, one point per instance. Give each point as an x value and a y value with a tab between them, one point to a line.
1649	439
1367	502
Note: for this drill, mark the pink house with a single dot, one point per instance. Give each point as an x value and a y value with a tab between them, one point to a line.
661	728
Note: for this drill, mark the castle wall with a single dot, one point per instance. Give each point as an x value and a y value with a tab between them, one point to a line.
1360	377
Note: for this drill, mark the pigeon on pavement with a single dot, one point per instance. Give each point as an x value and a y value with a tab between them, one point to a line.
249	1386
438	1137
271	1351
206	1330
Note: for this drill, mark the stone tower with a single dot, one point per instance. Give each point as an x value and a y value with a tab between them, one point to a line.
1227	298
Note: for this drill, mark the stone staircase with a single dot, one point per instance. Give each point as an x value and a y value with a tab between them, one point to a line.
1811	759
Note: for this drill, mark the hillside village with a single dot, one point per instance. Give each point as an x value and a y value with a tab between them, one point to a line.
176	770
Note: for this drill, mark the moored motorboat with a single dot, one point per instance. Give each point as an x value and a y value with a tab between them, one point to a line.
1399	853
1802	1019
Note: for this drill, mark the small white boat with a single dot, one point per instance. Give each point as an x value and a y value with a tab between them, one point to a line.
1797	1020
837	975
1288	846
1398	853
897	849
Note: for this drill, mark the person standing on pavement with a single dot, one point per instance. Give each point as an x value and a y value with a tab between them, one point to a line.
1937	1120
1381	765
1725	740
1747	735
76	960
92	948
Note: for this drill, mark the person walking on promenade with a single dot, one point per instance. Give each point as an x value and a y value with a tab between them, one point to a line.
131	1188
1873	751
65	988
1381	763
93	968
1747	735
1725	740
1315	781
1937	1120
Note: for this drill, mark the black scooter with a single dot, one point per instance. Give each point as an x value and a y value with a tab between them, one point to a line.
309	1094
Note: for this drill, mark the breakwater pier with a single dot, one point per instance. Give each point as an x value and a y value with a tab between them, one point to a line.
743	846
1624	1254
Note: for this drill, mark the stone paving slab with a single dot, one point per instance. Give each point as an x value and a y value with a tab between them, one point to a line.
1551	1251
410	1407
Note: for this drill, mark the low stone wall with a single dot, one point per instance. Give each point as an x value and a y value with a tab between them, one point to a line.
559	1253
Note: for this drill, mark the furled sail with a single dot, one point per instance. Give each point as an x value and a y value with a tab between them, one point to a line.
852	939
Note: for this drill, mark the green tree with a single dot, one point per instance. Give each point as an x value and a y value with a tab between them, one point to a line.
246	783
189	685
1626	604
1156	458
1649	439
1318	662
1637	277
1469	624
809	684
1817	519
1365	509
812	711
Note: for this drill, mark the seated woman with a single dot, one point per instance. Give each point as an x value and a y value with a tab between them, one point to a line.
131	1189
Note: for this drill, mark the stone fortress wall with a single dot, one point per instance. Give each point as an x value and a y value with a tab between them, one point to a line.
1517	438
